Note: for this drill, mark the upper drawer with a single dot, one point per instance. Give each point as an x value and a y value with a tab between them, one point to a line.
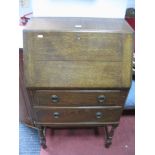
77	46
80	97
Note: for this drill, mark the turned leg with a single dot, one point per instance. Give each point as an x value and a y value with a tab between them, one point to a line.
109	134
41	131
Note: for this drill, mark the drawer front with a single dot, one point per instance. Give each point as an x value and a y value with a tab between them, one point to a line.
80	97
77	114
77	46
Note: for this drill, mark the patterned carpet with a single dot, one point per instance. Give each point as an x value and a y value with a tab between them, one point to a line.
28	141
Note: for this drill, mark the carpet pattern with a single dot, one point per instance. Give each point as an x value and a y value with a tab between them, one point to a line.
28	141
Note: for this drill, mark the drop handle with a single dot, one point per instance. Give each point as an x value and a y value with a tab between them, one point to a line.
101	99
99	114
56	114
55	98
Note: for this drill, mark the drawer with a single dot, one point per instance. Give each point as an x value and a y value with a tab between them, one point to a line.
80	97
77	114
77	46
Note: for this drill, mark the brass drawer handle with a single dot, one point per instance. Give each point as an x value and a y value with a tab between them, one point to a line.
56	114
99	114
101	98
55	98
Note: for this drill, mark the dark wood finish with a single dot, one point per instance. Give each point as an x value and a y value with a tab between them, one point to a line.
109	134
77	114
128	112
77	72
72	24
24	104
80	97
74	46
78	59
41	132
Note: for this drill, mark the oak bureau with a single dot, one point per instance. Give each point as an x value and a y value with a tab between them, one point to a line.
77	72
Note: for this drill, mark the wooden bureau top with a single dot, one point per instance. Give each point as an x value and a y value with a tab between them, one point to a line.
76	24
77	53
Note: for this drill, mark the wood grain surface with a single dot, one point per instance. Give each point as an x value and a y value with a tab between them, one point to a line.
77	71
78	24
92	59
80	97
67	46
77	114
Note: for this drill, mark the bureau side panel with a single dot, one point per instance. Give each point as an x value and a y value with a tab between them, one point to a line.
24	103
128	48
28	49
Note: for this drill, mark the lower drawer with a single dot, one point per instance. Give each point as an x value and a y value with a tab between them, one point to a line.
77	114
